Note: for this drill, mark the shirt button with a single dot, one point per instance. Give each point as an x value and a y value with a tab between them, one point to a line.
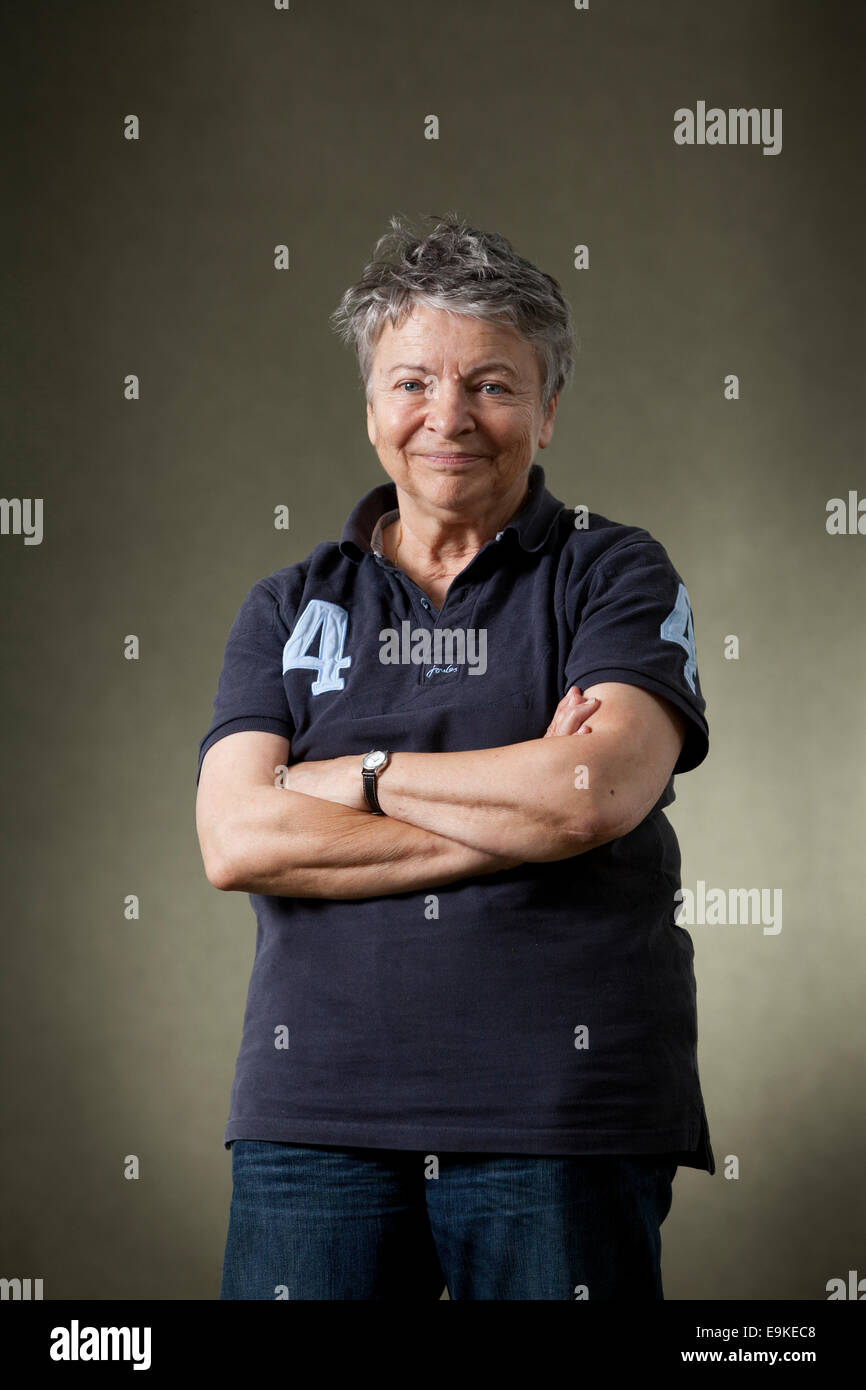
499	535
424	603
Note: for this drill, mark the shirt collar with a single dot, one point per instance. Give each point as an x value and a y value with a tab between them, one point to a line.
531	526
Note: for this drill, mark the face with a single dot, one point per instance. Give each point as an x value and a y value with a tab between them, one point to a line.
444	385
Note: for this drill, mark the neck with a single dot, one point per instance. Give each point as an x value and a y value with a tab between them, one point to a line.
443	542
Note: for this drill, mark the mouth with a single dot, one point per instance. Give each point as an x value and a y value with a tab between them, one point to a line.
453	460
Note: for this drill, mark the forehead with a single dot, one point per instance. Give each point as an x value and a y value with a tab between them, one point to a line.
431	338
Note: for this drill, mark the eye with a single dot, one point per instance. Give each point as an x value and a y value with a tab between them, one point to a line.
497	386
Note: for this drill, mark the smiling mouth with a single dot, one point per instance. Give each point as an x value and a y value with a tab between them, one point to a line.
452	458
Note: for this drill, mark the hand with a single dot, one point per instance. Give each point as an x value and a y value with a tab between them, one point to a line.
571	713
569	717
331	779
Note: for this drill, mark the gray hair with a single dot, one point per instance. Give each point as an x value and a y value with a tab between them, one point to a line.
463	270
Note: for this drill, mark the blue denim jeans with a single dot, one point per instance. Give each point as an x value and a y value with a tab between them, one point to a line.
323	1223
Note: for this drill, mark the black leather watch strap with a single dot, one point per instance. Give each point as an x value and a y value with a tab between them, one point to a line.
380	757
370	779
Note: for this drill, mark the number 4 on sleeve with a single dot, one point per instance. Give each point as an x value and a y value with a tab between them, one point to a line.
678	627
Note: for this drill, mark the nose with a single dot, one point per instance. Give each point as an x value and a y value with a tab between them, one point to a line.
449	412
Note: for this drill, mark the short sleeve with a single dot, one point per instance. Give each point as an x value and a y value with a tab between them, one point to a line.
635	625
250	694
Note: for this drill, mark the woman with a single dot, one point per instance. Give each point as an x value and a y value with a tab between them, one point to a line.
469	1050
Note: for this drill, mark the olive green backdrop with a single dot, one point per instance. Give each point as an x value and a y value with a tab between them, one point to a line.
155	257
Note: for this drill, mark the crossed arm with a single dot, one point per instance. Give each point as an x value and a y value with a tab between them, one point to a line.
448	815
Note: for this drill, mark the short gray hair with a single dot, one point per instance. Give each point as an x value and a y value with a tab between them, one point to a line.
458	268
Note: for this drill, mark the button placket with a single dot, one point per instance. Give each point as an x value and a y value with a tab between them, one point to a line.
461	604
461	607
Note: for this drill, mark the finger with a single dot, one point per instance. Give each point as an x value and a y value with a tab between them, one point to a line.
580	711
566	721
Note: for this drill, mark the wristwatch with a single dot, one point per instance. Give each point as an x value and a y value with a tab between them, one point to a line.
370	768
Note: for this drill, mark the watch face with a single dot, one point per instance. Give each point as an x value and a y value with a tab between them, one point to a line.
374	760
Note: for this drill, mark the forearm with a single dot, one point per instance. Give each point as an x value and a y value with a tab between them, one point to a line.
519	799
289	844
522	800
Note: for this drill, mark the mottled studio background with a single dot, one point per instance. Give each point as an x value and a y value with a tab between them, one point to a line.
155	257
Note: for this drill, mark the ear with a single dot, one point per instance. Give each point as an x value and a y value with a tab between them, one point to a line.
371	424
546	434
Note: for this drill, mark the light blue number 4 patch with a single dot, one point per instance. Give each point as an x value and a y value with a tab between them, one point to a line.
331	620
678	627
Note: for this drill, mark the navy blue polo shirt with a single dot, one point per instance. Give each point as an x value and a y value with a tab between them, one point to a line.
544	1009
